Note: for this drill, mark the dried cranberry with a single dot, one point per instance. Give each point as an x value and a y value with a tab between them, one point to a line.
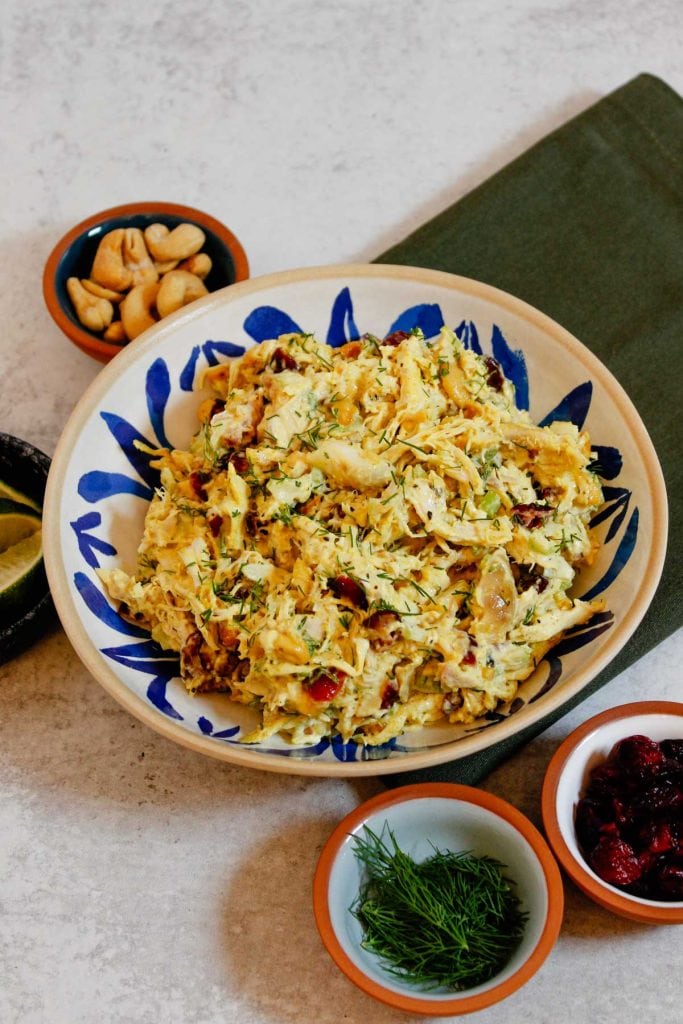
615	861
532	515
197	481
192	645
494	374
218	406
345	588
382	624
242	669
215	522
240	463
656	837
281	360
381	620
673	749
395	338
324	686
589	823
661	796
228	459
606	779
529	576
469	658
622	812
389	695
223	664
668	881
638	752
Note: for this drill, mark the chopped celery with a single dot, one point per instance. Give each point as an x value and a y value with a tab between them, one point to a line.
490	504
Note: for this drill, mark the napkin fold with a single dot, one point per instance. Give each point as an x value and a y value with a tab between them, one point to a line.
587	226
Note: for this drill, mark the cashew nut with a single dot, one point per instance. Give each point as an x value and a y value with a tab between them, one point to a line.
185	240
199	264
115	333
178	288
102	293
93	312
137	259
137	309
163	266
109	269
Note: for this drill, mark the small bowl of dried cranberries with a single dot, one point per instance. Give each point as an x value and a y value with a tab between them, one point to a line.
612	807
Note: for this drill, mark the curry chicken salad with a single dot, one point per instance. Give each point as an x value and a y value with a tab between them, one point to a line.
365	539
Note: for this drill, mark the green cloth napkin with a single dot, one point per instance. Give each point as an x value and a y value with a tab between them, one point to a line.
588	227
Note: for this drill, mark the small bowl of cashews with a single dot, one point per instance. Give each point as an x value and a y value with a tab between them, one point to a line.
122	270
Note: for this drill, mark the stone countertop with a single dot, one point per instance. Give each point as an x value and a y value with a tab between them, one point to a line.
139	882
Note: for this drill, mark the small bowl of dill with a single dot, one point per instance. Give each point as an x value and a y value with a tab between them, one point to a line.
437	899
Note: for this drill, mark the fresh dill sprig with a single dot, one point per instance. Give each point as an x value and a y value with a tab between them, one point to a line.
451	921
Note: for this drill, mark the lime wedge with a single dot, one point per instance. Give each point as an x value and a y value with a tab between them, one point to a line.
17	521
6	491
21	572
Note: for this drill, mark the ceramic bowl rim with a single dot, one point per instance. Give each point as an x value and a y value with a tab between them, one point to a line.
463	1003
604	895
148	342
89	343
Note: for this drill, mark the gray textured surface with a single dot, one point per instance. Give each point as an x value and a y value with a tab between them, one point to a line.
140	883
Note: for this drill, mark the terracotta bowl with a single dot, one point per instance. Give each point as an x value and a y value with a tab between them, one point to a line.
73	256
566	781
448	817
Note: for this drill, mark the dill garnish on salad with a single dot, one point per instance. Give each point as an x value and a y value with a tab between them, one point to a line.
364	540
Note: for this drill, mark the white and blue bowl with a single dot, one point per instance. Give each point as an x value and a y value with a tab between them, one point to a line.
100	485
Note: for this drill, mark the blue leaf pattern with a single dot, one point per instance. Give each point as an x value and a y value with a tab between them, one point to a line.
146	657
96	485
101	609
608	461
616	504
188	371
158	390
125	436
266	322
156	695
206	727
211	350
621	557
427	317
573	408
87	543
342	325
514	366
554	676
467	333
